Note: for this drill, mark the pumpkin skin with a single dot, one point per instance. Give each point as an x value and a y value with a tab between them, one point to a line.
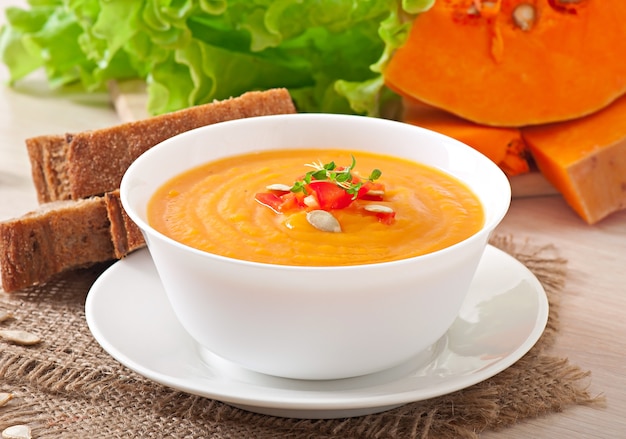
585	159
483	67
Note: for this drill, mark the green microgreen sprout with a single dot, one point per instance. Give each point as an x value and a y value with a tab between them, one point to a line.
329	172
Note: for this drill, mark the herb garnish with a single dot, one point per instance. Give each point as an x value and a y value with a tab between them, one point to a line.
327	188
341	176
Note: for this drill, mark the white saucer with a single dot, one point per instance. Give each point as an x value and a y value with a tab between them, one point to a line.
503	316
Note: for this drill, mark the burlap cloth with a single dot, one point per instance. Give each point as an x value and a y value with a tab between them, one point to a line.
69	387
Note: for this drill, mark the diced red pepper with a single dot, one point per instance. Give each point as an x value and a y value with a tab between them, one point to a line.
270	200
281	203
326	195
386	218
292	201
329	195
368	187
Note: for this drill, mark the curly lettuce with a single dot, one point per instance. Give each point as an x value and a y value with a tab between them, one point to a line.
328	53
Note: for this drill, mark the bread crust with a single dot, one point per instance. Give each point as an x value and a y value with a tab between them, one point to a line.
47	157
65	235
59	236
81	221
125	235
80	165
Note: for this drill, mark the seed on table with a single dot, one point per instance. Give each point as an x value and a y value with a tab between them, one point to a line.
19	337
17	432
5	398
5	315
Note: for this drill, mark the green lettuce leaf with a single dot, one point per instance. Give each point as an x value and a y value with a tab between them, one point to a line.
328	53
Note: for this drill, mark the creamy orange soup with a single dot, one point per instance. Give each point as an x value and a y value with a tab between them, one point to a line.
213	208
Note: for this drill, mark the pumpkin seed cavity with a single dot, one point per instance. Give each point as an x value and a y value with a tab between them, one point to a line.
524	16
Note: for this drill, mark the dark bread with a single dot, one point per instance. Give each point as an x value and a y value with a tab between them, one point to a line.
81	221
125	235
75	166
59	236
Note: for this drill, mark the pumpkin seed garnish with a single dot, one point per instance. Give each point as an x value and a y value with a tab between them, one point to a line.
323	221
278	187
378	208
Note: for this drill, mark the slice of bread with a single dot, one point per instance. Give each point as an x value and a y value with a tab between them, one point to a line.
65	235
75	166
81	221
57	237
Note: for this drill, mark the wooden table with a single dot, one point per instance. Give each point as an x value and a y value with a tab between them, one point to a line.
593	315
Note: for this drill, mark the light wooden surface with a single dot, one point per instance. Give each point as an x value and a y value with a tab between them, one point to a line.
593	314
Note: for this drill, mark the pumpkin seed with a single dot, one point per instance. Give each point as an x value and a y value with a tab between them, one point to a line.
378	208
323	221
488	5
19	337
375	193
5	398
524	16
5	315
473	10
310	201
17	432
278	187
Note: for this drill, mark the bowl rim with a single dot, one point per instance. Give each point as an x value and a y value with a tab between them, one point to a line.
147	229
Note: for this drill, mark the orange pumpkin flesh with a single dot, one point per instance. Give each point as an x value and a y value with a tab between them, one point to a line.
485	68
585	159
504	146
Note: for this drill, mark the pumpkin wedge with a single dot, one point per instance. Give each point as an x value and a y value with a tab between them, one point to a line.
503	145
514	62
585	159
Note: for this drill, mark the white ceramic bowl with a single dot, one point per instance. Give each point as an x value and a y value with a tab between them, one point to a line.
276	319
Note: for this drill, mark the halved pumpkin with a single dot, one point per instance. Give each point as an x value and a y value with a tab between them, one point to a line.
514	62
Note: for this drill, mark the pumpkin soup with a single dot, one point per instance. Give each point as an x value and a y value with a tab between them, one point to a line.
315	207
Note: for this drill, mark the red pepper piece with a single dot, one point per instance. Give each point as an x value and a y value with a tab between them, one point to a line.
292	201
329	195
365	193
386	218
270	200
